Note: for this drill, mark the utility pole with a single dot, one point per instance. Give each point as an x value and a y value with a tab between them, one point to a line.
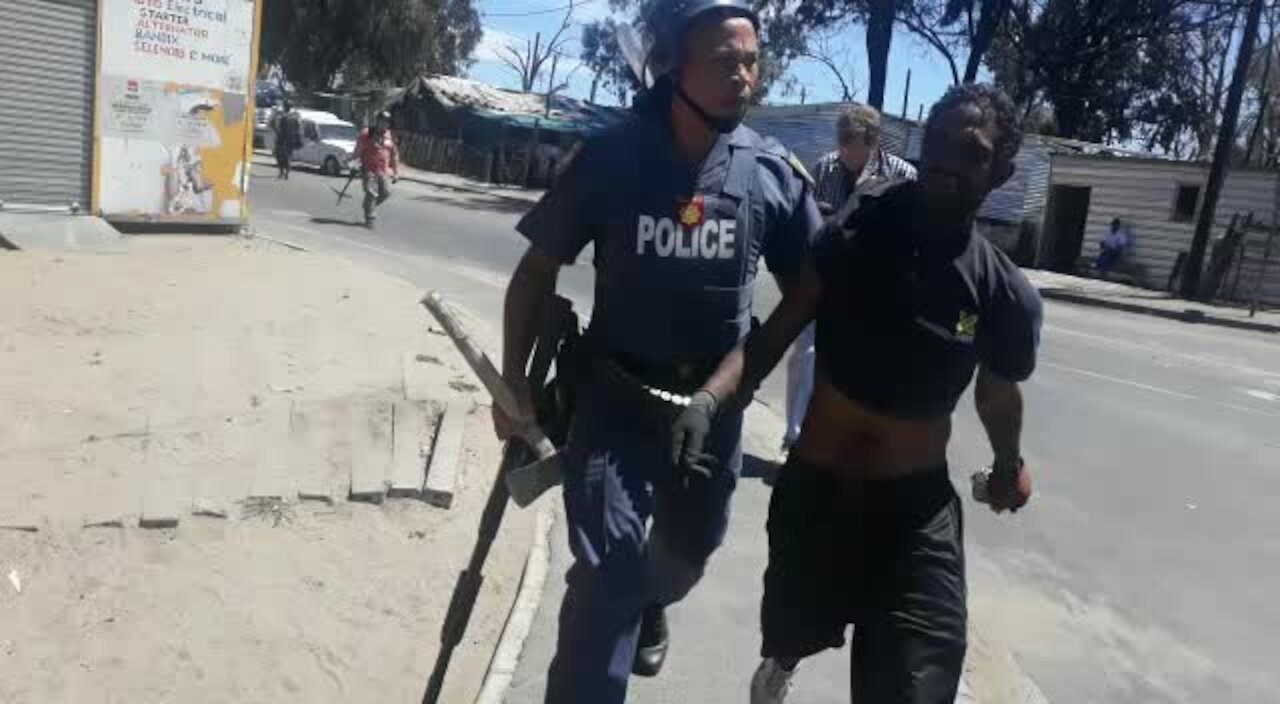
906	95
551	82
1221	155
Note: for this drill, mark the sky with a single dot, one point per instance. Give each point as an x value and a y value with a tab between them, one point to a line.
516	21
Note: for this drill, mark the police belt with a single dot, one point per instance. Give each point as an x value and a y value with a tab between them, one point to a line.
662	391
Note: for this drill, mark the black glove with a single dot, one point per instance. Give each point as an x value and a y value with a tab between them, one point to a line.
689	434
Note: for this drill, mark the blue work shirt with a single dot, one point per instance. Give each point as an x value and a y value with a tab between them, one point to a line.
677	247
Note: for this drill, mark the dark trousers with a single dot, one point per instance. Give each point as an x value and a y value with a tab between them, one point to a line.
884	556
641	533
376	192
1107	258
283	162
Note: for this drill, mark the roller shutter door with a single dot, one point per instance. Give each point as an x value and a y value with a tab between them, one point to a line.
47	65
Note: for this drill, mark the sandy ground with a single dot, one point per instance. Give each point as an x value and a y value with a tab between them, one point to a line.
172	375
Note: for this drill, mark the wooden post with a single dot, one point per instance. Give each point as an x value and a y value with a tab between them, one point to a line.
533	149
1262	271
457	159
551	83
906	95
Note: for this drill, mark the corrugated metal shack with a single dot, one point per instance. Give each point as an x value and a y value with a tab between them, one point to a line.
1160	200
461	126
1064	194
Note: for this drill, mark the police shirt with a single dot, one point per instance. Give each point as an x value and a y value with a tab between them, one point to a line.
676	246
906	313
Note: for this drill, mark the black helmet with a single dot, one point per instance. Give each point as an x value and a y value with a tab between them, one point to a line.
670	20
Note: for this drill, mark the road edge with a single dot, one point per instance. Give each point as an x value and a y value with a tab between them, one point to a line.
506	655
1184	316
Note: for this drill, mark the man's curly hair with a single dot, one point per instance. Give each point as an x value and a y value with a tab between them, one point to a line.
996	107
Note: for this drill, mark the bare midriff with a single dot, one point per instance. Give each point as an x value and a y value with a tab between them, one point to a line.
842	435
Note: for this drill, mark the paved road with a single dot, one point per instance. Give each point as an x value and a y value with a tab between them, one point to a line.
1146	570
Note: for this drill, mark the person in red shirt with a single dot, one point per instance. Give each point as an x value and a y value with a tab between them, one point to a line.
379	161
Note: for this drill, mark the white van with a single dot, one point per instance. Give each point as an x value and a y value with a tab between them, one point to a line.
328	142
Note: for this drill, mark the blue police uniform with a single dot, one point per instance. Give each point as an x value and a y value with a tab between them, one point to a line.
676	253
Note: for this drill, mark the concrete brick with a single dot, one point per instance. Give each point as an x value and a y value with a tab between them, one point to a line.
370	444
209	508
161	507
316	494
319	442
272	486
412	431
446	456
159	519
419	376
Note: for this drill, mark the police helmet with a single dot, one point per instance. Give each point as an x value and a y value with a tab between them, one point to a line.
669	22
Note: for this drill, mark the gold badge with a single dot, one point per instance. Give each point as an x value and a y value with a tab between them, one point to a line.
968	325
692	211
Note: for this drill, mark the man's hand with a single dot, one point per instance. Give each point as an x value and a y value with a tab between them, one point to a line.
1009	486
689	435
504	425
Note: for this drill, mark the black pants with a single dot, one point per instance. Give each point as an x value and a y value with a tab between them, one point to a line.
283	157
885	556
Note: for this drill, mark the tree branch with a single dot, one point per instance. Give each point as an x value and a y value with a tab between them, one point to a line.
915	26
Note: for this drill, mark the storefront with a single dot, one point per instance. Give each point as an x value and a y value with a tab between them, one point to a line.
135	110
48	59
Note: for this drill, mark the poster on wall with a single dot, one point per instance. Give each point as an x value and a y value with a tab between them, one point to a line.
174	109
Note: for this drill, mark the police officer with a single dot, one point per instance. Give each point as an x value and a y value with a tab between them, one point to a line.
864	525
680	202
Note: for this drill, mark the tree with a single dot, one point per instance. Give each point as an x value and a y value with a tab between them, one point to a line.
823	51
952	29
602	55
980	34
1222	155
528	62
1113	71
319	43
1264	78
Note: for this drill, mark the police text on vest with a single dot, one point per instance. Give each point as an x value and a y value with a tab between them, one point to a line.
713	239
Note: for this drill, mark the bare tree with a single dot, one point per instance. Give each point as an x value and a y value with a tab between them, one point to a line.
925	20
839	61
529	61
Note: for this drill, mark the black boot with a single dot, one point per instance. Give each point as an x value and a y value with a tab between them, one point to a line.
654	638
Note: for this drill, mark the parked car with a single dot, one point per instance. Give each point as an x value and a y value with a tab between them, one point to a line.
263	136
268	101
328	142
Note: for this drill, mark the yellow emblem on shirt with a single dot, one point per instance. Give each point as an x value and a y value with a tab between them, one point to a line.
967	326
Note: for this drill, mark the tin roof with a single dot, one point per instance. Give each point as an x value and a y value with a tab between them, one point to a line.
514	107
